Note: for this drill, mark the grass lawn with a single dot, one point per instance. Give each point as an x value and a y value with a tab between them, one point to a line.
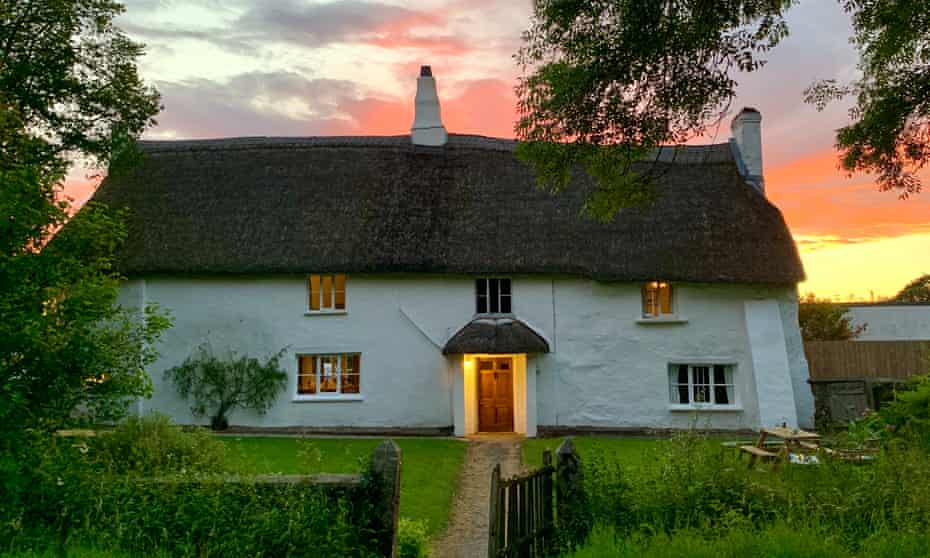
428	474
629	452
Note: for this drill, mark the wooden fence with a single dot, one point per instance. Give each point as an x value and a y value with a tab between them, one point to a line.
521	512
893	360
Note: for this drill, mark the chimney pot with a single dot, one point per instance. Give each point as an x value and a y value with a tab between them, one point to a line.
747	136
427	126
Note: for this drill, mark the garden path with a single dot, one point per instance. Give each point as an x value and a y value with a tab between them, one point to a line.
467	533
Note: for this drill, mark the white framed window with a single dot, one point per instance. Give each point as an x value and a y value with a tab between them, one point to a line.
329	375
657	299
702	385
493	296
326	294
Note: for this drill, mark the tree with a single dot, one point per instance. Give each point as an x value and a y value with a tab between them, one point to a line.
823	320
917	290
219	385
607	81
68	90
890	130
610	80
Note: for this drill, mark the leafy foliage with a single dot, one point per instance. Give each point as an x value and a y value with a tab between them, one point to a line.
917	290
217	385
909	412
822	320
412	539
152	446
607	81
68	89
77	497
70	74
890	132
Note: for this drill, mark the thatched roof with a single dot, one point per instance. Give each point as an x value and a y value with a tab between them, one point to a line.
495	335
380	204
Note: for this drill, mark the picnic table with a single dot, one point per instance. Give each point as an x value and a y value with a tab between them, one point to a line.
794	441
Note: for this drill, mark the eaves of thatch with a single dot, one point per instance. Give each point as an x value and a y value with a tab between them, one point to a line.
383	205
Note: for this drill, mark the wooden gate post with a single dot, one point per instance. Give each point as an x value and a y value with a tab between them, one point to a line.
493	512
574	514
385	465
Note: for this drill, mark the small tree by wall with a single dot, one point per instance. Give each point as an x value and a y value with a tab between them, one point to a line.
823	320
216	385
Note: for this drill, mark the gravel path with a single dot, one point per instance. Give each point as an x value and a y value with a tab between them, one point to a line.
467	533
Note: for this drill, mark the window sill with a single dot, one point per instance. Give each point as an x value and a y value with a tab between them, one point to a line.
327	398
706	408
657	320
326	313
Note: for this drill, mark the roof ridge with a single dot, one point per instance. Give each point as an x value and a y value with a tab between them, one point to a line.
681	154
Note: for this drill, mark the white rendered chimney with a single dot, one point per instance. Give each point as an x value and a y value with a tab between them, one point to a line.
747	134
427	126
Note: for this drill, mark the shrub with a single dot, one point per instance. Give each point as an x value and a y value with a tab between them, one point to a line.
217	386
77	500
909	412
152	446
412	539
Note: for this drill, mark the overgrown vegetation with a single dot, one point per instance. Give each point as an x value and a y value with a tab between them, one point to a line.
692	488
150	488
217	386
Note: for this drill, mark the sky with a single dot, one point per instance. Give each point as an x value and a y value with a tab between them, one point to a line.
341	67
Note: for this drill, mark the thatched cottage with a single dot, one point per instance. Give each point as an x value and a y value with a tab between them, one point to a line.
423	282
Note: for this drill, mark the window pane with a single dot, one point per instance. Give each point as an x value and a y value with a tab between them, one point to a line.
340	292
493	288
722	395
482	304
306	377
650	295
482	286
505	287
327	291
329	382
350	383
665	298
505	304
701	382
720	375
314	289
683	374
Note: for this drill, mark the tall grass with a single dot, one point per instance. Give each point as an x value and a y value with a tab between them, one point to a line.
696	489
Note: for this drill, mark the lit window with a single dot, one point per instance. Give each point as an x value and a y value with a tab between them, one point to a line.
701	384
329	374
657	299
326	293
492	296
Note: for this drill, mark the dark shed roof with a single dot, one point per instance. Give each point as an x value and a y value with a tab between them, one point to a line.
380	204
496	336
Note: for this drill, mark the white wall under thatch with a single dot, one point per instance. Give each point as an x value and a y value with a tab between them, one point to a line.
607	368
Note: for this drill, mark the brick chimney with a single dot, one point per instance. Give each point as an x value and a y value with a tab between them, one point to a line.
747	138
427	126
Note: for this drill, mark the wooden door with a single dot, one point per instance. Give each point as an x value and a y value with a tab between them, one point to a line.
495	395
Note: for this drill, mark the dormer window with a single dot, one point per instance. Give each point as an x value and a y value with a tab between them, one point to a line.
492	296
326	294
657	299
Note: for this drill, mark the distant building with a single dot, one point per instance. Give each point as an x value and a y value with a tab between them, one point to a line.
892	321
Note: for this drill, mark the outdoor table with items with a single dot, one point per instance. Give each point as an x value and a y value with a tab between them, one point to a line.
798	446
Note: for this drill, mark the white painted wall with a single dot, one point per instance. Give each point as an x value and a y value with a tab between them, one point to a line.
606	369
893	322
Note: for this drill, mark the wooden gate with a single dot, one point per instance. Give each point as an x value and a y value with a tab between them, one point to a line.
521	513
